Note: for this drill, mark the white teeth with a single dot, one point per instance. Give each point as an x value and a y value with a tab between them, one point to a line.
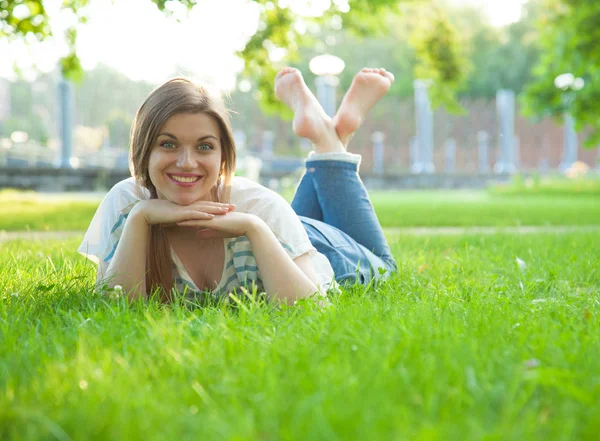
182	179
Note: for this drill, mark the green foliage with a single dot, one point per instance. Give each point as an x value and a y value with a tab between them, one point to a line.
279	29
104	97
274	33
440	58
21	99
437	45
119	124
33	126
499	57
20	18
491	58
569	35
103	90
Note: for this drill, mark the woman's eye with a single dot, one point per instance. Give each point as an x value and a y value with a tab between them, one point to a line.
205	147
167	144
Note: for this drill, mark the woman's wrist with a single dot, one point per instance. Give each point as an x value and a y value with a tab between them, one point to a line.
256	227
137	215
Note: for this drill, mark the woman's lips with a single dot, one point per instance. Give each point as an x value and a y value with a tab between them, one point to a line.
184	179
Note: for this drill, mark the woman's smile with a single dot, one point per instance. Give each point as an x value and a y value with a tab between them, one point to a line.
184	179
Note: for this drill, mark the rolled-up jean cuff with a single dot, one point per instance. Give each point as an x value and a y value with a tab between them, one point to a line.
335	156
331	164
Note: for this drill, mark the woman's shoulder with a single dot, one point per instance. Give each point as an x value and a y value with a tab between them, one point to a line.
240	183
247	192
120	199
128	189
105	228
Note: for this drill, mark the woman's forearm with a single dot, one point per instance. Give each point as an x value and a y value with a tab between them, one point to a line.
282	278
128	265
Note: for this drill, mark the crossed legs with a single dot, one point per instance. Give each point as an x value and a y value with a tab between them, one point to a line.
331	190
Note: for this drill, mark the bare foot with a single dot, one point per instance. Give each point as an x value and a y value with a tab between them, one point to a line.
310	120
368	87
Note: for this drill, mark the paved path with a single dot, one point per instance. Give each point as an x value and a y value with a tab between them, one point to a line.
457	231
38	235
413	231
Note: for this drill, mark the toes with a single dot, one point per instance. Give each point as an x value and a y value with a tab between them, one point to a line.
284	71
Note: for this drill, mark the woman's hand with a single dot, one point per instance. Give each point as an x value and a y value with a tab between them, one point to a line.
158	211
230	224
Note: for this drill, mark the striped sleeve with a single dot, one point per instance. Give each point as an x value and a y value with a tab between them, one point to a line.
116	232
245	270
101	237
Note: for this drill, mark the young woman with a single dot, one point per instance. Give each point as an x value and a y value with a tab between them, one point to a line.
185	222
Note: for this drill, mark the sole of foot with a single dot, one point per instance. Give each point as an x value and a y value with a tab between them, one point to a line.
310	120
368	87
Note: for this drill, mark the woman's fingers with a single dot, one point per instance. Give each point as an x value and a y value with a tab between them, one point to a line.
192	216
212	210
203	212
207	205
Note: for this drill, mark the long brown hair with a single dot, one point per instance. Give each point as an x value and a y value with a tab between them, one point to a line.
176	96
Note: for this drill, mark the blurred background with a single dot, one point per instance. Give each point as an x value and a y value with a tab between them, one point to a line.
484	89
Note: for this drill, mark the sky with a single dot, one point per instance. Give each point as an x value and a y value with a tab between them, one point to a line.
135	38
500	12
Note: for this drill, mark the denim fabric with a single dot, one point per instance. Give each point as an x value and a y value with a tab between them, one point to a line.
338	216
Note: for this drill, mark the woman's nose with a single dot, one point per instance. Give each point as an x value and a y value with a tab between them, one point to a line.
185	159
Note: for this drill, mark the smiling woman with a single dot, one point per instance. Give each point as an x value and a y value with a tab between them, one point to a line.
185	162
184	223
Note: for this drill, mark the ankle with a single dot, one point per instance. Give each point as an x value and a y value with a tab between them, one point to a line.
329	148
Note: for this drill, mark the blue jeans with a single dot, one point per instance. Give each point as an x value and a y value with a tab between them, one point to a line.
338	216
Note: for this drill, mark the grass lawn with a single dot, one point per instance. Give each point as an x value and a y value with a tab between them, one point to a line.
462	344
23	211
395	209
466	208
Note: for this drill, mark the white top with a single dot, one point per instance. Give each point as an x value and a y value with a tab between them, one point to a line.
240	269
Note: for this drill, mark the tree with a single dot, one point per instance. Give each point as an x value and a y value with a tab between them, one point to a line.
119	125
500	57
281	30
569	34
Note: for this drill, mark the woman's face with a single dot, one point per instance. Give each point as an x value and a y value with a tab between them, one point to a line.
186	158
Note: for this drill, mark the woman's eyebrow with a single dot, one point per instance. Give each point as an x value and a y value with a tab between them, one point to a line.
170	135
208	136
167	134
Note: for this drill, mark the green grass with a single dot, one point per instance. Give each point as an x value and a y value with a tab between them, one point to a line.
460	344
395	209
479	208
22	211
550	186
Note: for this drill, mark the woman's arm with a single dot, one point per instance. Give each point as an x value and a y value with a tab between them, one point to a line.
128	265
282	277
